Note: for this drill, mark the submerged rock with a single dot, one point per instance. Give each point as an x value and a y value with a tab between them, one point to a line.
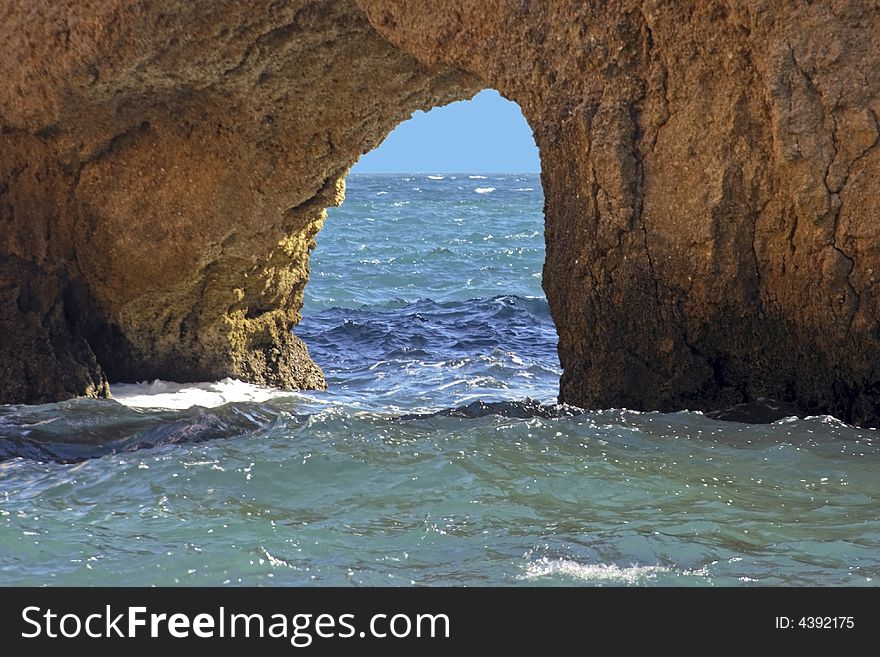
760	411
711	175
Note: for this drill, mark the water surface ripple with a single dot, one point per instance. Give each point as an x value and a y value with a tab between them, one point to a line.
439	455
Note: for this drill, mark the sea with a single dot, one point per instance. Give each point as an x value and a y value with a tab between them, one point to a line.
438	456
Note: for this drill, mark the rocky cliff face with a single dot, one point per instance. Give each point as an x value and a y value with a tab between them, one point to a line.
711	175
165	167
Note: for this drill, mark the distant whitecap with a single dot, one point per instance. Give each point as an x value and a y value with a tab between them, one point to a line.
484	190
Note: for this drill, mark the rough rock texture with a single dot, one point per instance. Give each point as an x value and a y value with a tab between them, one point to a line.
164	168
711	174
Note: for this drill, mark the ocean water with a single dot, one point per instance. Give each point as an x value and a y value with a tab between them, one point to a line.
438	456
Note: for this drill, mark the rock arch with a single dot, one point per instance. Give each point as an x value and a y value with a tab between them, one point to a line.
710	171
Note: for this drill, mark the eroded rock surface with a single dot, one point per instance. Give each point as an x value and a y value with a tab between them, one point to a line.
711	175
164	169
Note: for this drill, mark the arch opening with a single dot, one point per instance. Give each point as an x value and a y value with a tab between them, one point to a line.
425	288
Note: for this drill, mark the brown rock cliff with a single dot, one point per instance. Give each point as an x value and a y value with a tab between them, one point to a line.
711	175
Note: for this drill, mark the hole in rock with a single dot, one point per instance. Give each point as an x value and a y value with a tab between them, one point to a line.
425	288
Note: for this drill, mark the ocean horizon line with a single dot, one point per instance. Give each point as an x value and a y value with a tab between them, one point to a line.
444	173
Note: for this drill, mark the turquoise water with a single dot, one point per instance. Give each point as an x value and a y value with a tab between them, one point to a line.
437	456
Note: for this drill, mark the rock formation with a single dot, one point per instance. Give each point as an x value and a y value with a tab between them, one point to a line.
710	168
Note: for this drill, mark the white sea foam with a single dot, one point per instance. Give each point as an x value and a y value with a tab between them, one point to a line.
477	177
484	190
524	189
167	394
598	572
436	177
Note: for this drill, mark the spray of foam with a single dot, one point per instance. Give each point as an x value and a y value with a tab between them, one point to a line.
210	394
600	572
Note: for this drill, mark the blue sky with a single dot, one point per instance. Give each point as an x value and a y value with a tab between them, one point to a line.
484	134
